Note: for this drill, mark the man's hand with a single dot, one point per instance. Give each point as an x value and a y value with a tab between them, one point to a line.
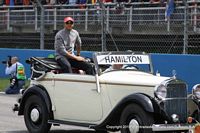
79	58
7	64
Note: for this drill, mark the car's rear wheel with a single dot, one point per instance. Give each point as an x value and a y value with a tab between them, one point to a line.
36	115
135	120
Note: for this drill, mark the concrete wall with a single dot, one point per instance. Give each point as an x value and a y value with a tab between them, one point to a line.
186	66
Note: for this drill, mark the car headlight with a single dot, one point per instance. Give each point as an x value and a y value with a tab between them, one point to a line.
160	92
196	91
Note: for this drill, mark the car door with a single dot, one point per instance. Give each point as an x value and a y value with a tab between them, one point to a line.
76	98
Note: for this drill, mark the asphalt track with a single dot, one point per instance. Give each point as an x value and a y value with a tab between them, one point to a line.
10	122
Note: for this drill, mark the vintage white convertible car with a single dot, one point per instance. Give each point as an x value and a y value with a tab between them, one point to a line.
130	99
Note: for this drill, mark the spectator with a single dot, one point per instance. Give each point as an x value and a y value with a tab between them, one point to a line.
1	2
12	3
72	2
106	1
18	2
122	1
17	76
52	2
43	2
81	4
34	2
7	2
93	2
26	2
62	1
82	1
169	9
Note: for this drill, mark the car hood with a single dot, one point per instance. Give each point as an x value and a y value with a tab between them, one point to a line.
131	77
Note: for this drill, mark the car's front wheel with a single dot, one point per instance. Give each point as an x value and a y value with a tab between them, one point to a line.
135	120
36	115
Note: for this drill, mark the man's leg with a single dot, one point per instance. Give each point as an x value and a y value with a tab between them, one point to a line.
65	65
12	90
8	90
87	67
21	83
16	88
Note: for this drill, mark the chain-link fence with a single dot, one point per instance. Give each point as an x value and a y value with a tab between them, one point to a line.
134	26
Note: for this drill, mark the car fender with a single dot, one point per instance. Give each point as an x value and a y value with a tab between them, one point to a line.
35	90
139	98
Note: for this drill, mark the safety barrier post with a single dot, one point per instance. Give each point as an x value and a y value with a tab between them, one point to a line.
130	19
86	19
168	24
195	16
36	20
185	39
107	17
55	20
8	20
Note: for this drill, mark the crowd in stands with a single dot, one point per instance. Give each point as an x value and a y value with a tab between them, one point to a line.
70	2
82	2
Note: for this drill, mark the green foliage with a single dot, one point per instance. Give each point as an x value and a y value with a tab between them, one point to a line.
5	82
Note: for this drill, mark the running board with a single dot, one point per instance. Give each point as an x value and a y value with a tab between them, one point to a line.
59	122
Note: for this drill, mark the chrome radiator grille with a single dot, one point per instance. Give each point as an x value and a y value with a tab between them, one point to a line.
176	102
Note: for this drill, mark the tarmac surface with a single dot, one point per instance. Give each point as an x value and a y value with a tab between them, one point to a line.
10	122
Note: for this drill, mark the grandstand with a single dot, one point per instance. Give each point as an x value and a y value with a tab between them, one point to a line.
139	26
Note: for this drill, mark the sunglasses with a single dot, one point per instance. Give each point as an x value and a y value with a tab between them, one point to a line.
69	22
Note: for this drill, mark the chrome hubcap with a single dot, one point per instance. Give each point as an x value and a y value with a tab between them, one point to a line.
133	126
35	115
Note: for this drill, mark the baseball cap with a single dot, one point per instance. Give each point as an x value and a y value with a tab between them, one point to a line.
68	19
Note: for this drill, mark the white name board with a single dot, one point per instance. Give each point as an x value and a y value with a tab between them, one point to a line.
123	59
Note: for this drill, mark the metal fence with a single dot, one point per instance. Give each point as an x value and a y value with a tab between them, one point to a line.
134	26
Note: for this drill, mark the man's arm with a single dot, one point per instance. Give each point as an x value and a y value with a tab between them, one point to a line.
59	46
78	44
72	56
78	48
11	69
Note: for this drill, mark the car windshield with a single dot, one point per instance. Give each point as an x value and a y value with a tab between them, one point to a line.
112	61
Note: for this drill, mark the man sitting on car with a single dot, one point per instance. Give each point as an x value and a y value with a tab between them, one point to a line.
65	41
